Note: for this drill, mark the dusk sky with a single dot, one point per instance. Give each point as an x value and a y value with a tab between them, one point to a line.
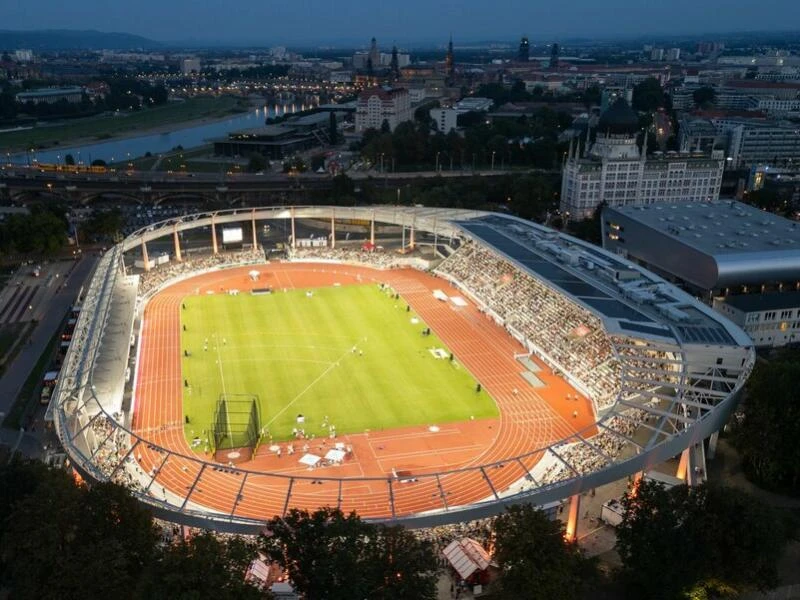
400	21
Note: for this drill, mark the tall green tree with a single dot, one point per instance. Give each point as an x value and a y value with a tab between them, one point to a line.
204	566
704	96
329	555
536	562
64	541
648	95
257	162
767	435
696	540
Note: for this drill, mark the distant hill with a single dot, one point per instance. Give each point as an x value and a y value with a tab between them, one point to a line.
68	39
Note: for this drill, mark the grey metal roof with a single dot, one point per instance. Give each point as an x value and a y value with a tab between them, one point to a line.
718	227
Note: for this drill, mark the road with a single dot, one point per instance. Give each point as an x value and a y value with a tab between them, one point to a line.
51	315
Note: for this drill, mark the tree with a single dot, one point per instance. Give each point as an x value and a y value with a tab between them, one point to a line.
333	132
335	556
204	566
69	160
704	96
532	196
257	162
658	560
535	560
648	95
673	542
592	96
65	541
385	127
767	435
99	162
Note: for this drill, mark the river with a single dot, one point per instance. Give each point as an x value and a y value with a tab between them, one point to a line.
157	143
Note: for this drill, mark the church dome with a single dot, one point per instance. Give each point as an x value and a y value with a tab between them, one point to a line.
619	119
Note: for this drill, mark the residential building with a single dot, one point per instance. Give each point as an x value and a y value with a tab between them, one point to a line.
771	320
22	55
189	65
446	119
614	170
379	104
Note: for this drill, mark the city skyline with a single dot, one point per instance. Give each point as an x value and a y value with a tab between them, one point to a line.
414	21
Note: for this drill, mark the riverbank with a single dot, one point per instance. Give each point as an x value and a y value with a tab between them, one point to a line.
190	113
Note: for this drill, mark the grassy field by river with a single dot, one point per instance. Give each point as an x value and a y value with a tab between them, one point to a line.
104	127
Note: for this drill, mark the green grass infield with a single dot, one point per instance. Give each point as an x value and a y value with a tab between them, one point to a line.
353	354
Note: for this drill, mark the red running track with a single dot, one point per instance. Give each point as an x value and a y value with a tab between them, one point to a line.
529	418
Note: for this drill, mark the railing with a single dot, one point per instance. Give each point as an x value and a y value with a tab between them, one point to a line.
101	448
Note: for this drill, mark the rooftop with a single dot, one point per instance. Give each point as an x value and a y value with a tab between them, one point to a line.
759	302
51	92
718	227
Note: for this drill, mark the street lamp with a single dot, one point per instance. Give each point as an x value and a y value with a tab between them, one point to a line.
437	161
493	153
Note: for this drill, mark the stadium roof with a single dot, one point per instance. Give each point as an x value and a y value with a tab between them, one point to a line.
630	300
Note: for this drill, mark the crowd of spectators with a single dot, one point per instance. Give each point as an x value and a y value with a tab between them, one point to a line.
159	275
480	530
595	453
573	337
375	258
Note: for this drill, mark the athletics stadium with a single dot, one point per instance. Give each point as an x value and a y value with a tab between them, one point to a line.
421	366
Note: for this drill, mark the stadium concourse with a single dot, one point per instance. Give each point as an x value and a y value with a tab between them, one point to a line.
599	370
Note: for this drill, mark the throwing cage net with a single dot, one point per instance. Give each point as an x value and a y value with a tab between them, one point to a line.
236	427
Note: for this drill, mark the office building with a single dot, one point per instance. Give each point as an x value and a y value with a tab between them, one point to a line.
614	170
379	104
72	94
771	320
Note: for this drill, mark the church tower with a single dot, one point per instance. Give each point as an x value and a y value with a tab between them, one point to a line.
395	64
449	63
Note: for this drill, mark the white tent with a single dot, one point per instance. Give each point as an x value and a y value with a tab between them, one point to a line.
335	456
310	459
466	556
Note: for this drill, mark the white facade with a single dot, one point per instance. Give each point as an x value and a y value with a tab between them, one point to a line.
22	55
72	94
616	173
377	105
771	320
446	119
190	64
751	142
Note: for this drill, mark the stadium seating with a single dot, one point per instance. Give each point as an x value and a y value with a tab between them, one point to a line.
574	338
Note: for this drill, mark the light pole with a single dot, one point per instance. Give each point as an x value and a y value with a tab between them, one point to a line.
437	162
493	153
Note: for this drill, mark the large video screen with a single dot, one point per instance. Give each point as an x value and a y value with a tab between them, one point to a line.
232	235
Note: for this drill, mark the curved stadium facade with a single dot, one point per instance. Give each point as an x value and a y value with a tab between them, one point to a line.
662	370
